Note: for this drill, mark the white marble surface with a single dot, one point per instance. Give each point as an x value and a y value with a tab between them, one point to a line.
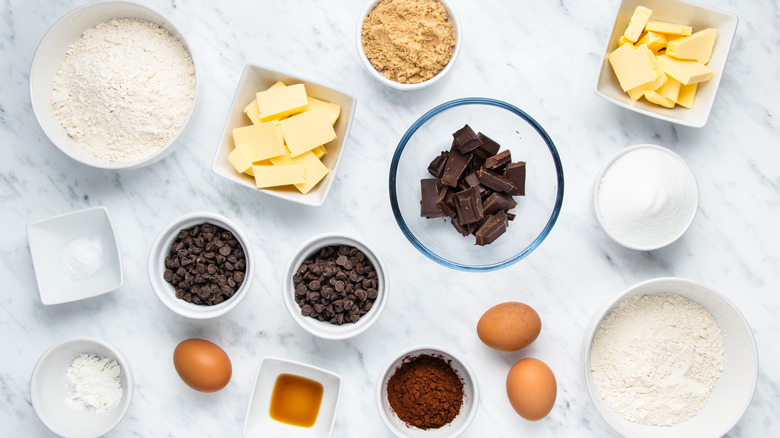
541	56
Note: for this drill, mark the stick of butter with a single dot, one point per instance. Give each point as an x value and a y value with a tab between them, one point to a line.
637	23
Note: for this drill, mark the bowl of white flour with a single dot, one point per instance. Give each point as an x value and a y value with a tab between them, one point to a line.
670	357
81	387
114	85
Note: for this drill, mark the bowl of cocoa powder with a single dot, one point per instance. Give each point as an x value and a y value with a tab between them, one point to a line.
408	44
427	392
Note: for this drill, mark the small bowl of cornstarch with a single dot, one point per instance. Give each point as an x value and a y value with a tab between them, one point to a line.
114	85
81	387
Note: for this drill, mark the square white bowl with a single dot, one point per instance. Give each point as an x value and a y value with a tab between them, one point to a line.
258	422
698	17
255	79
48	240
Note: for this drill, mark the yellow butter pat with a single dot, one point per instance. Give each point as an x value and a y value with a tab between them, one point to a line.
306	131
313	169
656	98
274	176
697	47
259	142
239	160
685	71
670	89
319	151
252	111
281	102
637	92
637	23
633	66
653	40
671	28
333	109
687	95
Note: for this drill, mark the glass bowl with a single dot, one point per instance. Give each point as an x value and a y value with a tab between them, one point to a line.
513	129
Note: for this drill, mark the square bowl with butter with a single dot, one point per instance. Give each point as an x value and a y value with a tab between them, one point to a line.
284	136
665	59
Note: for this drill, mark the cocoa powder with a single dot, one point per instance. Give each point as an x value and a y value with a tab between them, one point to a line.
425	392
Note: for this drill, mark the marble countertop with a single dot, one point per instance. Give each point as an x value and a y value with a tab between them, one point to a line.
540	56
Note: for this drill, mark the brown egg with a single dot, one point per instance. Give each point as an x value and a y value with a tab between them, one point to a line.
531	388
509	326
202	365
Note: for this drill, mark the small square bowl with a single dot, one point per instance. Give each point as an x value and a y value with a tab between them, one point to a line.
258	422
49	390
698	17
255	79
49	240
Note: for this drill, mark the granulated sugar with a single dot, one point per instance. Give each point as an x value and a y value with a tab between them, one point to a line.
124	90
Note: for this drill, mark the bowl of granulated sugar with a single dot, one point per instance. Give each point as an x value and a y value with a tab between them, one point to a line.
113	85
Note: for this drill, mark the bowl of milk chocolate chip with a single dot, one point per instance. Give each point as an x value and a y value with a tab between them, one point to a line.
113	85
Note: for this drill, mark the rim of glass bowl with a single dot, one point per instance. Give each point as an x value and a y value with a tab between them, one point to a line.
394	199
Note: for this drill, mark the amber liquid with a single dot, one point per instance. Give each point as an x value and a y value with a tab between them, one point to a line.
296	400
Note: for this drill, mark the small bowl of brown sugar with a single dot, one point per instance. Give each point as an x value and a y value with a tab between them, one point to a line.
427	392
408	44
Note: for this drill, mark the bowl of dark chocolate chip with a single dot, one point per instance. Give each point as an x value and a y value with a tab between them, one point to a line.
476	184
200	265
335	286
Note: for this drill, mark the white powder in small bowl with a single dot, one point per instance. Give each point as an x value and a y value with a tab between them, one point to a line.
646	198
95	382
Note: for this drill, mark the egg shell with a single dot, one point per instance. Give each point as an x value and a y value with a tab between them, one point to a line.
531	388
509	326
202	365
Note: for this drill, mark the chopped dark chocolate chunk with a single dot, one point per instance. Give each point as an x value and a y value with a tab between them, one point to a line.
498	201
461	229
456	165
468	206
429	187
466	139
436	168
516	173
489	146
491	229
446	201
494	181
511	216
500	159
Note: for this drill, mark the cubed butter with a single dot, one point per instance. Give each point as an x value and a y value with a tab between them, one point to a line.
333	109
633	66
252	111
259	142
637	23
313	169
306	131
274	176
239	160
637	92
687	95
653	40
685	71
697	47
281	102
623	40
319	151
656	98
670	89
670	28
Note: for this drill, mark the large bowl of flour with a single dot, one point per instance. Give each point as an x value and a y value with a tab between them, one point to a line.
670	357
114	85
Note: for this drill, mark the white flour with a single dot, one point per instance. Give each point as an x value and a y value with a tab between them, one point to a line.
95	382
656	358
124	90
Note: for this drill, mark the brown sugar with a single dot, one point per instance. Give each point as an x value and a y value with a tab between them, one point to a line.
408	41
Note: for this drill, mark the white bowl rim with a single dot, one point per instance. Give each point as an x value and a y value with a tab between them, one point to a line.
609	304
179	306
165	150
399	85
343	331
597	184
120	359
443	352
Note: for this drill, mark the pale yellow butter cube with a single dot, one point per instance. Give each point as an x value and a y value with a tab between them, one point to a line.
319	151
313	169
685	71
306	131
654	97
653	40
670	89
259	142
280	102
633	66
252	111
274	176
687	95
697	47
670	28
623	40
333	110
239	160
637	92
637	23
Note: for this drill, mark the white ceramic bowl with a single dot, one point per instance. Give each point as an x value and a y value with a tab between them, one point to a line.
49	240
467	410
50	395
699	17
733	392
632	241
374	73
49	58
166	292
258	422
255	79
325	329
